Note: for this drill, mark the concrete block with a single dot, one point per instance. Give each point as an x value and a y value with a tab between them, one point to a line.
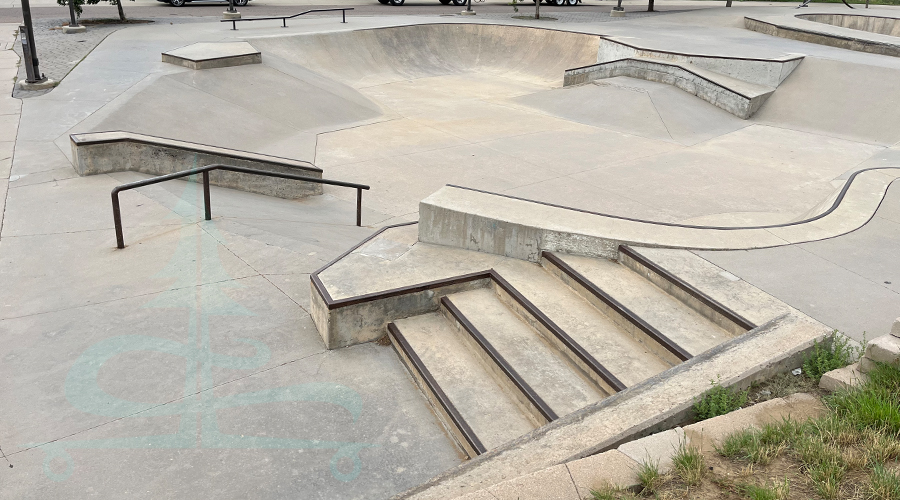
842	378
711	432
612	468
70	30
231	15
866	365
213	55
895	329
656	449
884	349
554	483
47	83
617	13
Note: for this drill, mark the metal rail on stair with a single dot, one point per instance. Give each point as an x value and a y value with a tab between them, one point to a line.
117	215
285	18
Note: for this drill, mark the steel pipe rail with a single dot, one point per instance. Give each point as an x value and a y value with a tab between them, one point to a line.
285	18
117	213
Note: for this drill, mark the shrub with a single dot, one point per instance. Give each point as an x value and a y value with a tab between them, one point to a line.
837	352
719	401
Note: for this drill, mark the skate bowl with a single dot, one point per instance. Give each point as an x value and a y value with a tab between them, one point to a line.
364	58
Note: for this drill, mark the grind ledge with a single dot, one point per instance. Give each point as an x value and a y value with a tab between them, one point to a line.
213	55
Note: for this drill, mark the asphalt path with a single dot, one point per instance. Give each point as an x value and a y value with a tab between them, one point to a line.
214	9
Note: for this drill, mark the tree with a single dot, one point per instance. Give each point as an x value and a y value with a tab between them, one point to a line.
537	9
80	3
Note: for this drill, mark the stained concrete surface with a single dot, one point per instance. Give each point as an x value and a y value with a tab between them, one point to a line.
68	293
851	283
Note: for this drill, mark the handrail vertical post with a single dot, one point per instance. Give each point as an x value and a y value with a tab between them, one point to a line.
206	204
117	220
284	22
344	13
233	26
359	207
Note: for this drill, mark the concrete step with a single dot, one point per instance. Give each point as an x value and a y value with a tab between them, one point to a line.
541	365
684	326
477	411
627	358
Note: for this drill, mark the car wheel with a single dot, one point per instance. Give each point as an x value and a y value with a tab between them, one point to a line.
240	3
177	3
459	2
572	2
397	2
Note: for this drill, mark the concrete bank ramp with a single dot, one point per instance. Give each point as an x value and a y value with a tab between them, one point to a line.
370	57
272	108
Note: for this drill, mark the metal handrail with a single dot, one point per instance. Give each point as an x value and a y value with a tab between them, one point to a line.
285	18
117	214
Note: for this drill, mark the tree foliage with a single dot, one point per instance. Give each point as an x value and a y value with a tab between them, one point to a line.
80	3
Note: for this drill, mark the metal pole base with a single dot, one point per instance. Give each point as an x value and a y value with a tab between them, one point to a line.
616	12
70	30
467	13
44	84
231	15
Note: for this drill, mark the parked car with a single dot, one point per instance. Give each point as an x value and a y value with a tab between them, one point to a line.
180	3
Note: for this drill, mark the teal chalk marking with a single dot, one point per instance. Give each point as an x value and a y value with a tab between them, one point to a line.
195	262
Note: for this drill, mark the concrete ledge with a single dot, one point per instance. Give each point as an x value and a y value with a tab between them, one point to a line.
505	225
794	28
104	152
873	24
767	72
739	98
213	55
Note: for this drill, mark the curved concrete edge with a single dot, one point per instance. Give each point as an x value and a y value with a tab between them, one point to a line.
738	98
522	229
106	152
775	347
823	34
769	72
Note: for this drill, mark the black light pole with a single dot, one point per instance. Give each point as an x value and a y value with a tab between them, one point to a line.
231	6
29	51
468	11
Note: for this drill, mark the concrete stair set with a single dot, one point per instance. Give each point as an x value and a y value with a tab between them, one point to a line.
538	342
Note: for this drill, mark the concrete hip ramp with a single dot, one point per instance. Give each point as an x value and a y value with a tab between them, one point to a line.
370	57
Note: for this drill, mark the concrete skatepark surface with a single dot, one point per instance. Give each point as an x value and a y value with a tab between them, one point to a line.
223	385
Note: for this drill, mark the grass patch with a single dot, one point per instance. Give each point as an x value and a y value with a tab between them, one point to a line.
835	352
851	452
649	476
883	484
719	401
778	491
689	463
